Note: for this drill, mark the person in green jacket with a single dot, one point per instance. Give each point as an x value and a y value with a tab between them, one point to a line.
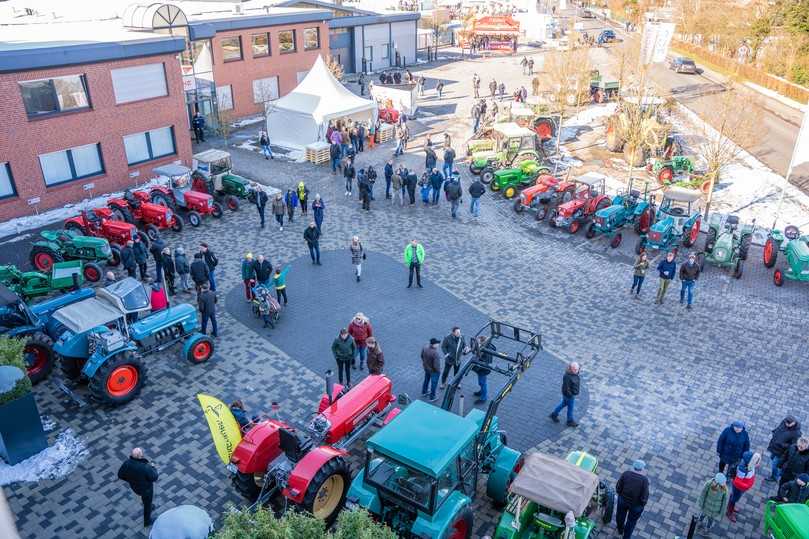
414	258
248	275
639	273
279	281
343	350
713	501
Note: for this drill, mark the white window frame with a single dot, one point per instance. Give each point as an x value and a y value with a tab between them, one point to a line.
147	135
73	175
120	76
7	181
260	94
224	97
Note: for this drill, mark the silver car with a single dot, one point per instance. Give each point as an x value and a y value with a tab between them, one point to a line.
681	64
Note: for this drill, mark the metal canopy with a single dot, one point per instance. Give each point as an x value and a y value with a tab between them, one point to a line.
154	16
681	194
209	156
555	483
512	130
87	314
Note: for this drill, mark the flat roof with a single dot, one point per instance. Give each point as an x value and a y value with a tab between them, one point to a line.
25	47
377	18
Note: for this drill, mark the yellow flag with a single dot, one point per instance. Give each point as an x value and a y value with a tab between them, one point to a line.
225	429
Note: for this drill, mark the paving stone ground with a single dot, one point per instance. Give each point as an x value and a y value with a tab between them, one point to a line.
661	382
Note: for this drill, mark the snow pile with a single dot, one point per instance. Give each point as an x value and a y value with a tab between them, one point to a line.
247	121
586	118
55	462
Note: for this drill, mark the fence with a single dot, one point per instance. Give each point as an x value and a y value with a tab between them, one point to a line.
749	72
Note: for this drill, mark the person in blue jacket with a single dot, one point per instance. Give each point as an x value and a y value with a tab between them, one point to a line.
667	268
732	444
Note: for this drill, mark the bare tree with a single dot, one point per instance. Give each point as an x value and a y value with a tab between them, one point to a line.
567	82
225	128
264	92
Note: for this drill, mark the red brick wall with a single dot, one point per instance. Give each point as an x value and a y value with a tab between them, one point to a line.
241	74
22	140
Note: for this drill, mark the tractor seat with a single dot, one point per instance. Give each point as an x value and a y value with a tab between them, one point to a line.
131	199
293	444
92	217
547	521
634	193
732	220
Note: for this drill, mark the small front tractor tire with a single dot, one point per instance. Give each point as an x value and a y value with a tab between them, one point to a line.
217	212
43	258
574	226
616	240
232	203
198	349
115	257
744	248
778	277
462	524
710	241
194	218
770	253
92	272
119	379
152	231
327	490
590	233
162	199
737	271
518	207
486	176
509	192
39	358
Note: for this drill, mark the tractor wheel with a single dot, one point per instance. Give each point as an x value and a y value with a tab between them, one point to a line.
119	379
665	175
518	207
778	277
616	240
574	226
770	253
194	218
606	503
177	224
544	129
120	213
690	236
710	241
198	349
737	271
640	246
510	191
217	210
71	369
474	170
38	354
245	484
92	272
644	222
552	218
744	248
152	231
462	523
590	233
115	258
486	176
75	227
43	258
158	197
701	262
232	202
542	212
327	490
144	238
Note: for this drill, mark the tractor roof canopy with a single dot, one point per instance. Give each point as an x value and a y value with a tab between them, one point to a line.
178	175
209	156
681	194
555	483
591	178
511	130
87	314
128	295
425	437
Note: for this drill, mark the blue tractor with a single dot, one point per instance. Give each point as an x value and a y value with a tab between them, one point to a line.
631	208
678	222
104	341
36	325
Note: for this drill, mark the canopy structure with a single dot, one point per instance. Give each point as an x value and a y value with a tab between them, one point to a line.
302	116
555	483
496	25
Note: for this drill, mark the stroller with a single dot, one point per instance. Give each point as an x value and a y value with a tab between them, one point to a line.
265	306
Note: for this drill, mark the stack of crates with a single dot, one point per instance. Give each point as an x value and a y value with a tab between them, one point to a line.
386	132
317	153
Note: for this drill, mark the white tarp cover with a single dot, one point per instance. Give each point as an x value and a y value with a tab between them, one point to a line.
555	483
87	314
182	522
302	116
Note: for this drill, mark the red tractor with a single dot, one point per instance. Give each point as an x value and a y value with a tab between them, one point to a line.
136	208
176	191
545	195
278	464
101	223
588	199
389	115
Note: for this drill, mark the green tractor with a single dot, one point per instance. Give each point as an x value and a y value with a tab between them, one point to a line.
786	520
31	284
511	144
546	489
665	170
212	175
60	245
511	180
727	243
425	490
795	247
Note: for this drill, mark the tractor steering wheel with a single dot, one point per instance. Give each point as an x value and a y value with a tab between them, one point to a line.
792	232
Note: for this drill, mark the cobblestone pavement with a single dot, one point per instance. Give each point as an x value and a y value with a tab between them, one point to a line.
661	382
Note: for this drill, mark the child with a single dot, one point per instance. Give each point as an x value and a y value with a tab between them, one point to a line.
424	184
279	281
265	307
713	501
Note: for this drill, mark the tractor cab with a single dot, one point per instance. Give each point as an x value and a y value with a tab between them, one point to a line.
508	140
679	205
128	295
177	178
213	165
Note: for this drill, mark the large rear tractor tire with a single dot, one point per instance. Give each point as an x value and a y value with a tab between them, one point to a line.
462	524
38	354
606	503
690	236
486	176
92	272
245	484
75	227
590	233
326	492
121	213
232	203
177	224
119	379
43	258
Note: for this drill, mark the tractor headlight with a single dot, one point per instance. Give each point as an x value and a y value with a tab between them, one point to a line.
169	216
720	254
106	250
210	202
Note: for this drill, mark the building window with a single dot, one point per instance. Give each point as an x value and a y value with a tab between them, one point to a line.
7	187
311	39
224	97
149	145
385	51
265	90
73	164
232	48
261	45
140	82
286	41
52	96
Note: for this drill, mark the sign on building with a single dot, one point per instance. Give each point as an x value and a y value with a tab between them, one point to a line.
655	42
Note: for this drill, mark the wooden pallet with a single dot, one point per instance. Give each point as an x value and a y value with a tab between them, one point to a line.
317	153
386	132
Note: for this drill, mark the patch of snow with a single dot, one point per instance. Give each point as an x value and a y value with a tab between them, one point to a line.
585	118
247	121
55	462
247	145
296	155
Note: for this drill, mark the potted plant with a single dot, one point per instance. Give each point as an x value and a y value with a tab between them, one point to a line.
21	432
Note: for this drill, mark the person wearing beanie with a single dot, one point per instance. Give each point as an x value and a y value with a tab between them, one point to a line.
632	490
796	461
712	502
744	481
248	276
431	362
783	436
731	445
796	491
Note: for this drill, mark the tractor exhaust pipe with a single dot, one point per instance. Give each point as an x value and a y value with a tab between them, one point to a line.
274	408
329	389
461	405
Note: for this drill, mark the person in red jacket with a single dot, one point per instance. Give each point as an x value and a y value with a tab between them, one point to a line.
744	481
159	299
360	329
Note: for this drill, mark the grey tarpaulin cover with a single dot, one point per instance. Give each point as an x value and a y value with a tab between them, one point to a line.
555	483
182	522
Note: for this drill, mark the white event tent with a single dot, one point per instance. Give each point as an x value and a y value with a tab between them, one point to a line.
302	116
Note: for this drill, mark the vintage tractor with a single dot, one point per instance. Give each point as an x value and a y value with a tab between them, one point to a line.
101	223
135	208
425	490
510	180
60	245
587	200
31	284
276	464
511	144
632	208
602	89
36	326
796	249
546	489
176	191
677	222
102	343
786	520
666	169
213	175
545	195
727	243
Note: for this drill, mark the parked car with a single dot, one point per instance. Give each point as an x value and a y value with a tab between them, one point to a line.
606	36
680	64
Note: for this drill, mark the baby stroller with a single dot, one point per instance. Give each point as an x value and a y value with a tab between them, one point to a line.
265	306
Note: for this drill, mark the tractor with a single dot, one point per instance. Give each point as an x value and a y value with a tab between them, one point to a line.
101	223
546	489
602	89
547	193
31	284
786	520
727	243
795	247
510	180
104	341
677	222
421	470
631	208
176	191
36	325
277	464
60	245
511	144
636	130
587	200
213	175
135	208
664	170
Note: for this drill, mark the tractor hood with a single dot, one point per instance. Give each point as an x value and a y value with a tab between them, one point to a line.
798	250
192	197
723	247
96	244
506	172
609	211
570	207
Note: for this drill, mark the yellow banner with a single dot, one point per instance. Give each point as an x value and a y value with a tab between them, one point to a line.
224	427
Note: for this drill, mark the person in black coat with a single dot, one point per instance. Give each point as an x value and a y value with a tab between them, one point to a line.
128	259
436	181
348	173
312	238
486	358
571	385
411	182
207	309
168	270
141	476
261	203
731	445
199	272
783	436
796	461
632	490
211	261
263	270
141	256
157	254
365	192
388	178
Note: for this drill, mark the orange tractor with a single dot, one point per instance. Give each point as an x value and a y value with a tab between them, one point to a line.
545	195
